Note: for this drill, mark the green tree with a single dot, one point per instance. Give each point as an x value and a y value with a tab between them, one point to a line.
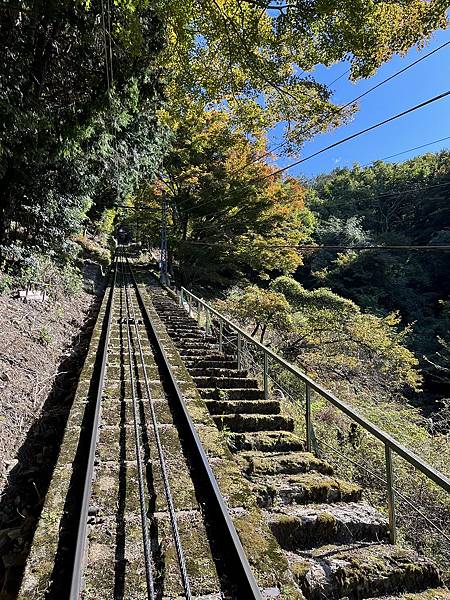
388	204
259	308
257	57
225	221
72	141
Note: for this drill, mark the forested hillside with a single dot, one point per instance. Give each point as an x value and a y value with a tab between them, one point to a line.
172	127
76	135
90	93
385	204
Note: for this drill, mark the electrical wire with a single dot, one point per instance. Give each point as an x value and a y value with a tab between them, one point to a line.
105	46
363	131
415	148
300	247
340	77
404	192
342	108
338	143
361	188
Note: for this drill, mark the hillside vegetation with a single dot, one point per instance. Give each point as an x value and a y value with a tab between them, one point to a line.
390	204
110	110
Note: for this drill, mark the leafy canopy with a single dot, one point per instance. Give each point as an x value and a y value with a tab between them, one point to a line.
256	57
225	221
73	143
389	204
329	336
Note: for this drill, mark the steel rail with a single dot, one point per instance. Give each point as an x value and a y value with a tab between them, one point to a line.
137	435
80	545
162	461
248	586
439	478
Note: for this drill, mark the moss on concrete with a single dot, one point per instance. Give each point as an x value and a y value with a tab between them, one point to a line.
304	488
292	463
266	441
266	558
104	572
374	569
200	565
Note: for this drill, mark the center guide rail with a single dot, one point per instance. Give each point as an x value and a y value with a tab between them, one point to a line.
138	334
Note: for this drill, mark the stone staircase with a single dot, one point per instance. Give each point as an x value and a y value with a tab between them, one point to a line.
336	544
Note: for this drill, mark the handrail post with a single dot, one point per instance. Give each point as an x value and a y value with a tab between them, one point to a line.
239	360
308	418
190	305
266	376
199	314
208	321
390	494
220	335
180	297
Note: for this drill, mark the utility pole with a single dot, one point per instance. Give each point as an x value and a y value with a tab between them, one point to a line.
163	265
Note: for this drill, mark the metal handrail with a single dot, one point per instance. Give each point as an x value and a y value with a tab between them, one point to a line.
390	444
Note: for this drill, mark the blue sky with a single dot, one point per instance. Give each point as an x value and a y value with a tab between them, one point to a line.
423	81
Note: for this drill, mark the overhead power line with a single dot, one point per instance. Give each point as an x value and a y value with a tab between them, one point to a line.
340	77
370	90
397	73
282	144
415	148
327	247
358	133
215	225
338	143
406	191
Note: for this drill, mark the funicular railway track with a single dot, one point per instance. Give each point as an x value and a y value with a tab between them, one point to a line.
152	522
150	499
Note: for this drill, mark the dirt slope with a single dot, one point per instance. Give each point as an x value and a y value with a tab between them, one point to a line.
35	339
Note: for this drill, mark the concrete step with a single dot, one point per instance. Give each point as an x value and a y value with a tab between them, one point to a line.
223	407
186	335
241	393
299	527
289	463
254	422
200	353
211	361
179	321
226	383
355	572
266	441
430	594
217	372
184	330
180	336
303	488
200	344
